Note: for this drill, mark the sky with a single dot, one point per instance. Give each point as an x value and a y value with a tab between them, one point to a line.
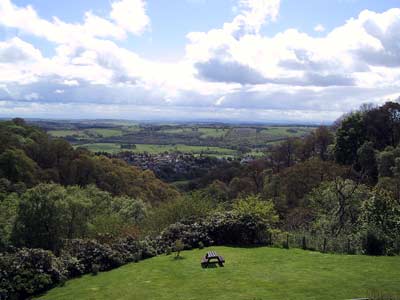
185	60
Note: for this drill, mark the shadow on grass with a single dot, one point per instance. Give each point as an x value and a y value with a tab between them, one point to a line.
178	258
249	246
211	265
379	295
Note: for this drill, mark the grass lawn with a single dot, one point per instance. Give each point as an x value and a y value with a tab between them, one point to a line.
249	274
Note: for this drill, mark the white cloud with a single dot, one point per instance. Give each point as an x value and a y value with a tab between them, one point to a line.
130	15
228	72
31	96
18	51
70	82
319	28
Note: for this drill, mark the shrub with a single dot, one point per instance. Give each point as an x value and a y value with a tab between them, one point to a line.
168	251
178	247
129	249
149	248
73	266
237	229
26	272
201	245
89	252
190	234
95	269
248	223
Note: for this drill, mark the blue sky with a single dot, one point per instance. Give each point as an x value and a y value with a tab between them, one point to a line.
171	20
261	60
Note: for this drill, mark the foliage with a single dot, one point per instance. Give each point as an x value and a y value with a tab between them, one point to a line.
382	125
42	220
367	163
190	208
381	222
190	234
90	252
337	206
16	166
29	155
49	213
27	272
8	212
178	247
349	137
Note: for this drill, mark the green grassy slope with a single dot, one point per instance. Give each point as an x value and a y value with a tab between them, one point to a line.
249	274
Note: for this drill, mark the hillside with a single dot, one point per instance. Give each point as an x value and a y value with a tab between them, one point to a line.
249	273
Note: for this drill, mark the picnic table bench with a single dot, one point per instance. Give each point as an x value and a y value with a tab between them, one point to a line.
212	257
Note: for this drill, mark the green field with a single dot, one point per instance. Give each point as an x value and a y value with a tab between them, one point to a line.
155	149
213	132
205	132
279	132
67	132
249	274
87	133
217	140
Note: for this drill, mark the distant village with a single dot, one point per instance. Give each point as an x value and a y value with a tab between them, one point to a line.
176	166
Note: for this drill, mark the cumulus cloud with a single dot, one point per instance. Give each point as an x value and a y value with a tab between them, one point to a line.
231	72
319	28
130	15
17	51
254	14
385	29
228	71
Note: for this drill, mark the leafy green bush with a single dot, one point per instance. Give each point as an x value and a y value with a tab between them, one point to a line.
190	234
95	269
201	245
149	248
381	223
248	223
90	252
27	272
129	249
178	247
73	266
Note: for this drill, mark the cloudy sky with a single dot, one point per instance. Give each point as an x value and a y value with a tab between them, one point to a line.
232	60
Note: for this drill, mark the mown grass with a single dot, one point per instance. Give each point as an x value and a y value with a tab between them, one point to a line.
249	274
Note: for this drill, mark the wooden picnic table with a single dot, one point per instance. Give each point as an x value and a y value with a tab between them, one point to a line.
212	257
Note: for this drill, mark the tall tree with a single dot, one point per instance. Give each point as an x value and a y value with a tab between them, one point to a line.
349	137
